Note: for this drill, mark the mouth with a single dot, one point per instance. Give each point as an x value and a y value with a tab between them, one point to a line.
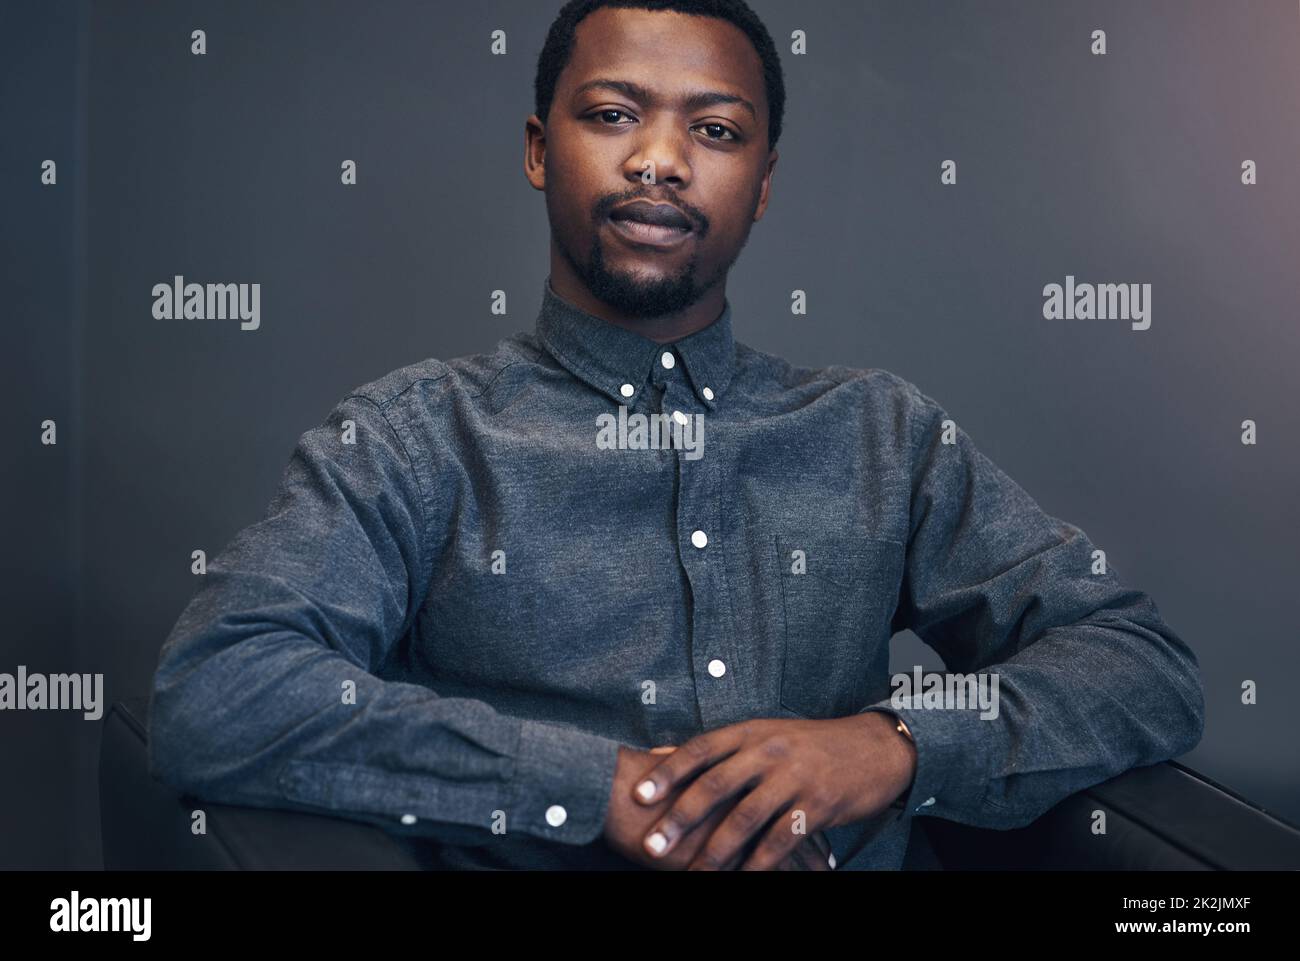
651	225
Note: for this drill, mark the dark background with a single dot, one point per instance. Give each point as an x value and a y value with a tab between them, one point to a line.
1122	168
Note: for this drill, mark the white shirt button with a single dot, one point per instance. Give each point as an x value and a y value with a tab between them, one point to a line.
708	393
679	417
627	390
668	360
717	668
408	818
556	815
699	538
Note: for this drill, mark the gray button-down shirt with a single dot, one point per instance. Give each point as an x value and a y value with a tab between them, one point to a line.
479	576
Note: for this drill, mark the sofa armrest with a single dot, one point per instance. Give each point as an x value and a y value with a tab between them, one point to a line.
146	825
1161	817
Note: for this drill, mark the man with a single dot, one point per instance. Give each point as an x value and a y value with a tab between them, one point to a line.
620	592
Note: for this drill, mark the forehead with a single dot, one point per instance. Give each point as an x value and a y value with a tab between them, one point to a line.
665	51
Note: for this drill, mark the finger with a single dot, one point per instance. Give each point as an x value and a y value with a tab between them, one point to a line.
666	749
812	854
747	820
734	862
809	856
695	755
824	847
798	860
777	841
819	854
706	794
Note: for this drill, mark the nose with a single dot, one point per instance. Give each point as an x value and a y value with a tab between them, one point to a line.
659	152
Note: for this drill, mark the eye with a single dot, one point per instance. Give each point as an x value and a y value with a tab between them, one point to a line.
604	113
729	135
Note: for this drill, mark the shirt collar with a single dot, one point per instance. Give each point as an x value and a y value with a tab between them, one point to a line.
607	356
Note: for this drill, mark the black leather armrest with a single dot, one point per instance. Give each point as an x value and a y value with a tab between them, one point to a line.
146	825
1162	817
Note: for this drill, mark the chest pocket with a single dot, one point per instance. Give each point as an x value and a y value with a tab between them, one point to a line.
839	594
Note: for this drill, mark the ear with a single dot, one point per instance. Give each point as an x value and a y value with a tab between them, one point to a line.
535	152
765	187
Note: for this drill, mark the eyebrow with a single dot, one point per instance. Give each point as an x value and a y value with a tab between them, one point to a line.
694	100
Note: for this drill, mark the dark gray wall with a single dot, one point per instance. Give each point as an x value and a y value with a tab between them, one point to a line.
225	168
48	807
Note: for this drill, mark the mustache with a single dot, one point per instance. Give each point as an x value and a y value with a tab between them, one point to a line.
698	220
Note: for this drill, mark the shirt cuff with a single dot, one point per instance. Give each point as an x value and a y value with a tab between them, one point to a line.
951	756
563	780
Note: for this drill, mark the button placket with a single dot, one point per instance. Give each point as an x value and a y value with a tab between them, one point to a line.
713	653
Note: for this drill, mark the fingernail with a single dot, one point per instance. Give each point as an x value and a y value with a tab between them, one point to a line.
831	861
656	842
646	789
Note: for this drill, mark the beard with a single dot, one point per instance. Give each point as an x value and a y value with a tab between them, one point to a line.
638	296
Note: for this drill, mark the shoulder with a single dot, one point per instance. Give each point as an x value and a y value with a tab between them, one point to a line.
432	386
760	371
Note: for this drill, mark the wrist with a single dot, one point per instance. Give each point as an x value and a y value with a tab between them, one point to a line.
904	732
900	751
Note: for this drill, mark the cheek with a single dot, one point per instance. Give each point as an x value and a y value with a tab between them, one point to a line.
568	208
574	185
735	195
730	225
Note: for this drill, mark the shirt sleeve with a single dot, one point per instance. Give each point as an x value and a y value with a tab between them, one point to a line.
1090	679
266	691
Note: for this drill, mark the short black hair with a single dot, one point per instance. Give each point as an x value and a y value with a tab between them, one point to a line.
559	47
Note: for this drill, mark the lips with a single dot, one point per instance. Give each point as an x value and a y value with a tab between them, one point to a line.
655	215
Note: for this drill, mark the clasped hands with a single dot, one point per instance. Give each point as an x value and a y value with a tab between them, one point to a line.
756	795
